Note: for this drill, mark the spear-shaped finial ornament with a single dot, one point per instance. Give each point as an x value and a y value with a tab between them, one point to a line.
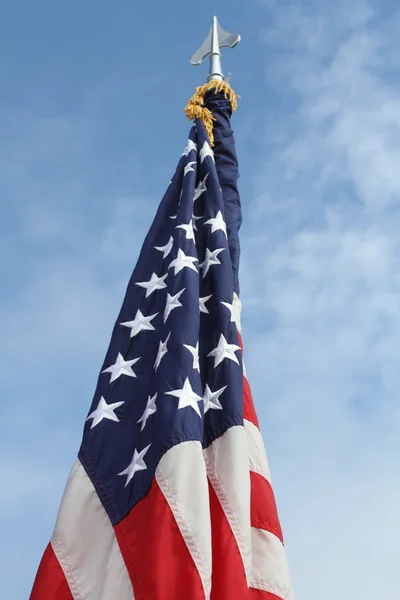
216	39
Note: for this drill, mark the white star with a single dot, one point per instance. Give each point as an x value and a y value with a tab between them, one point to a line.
140	323
154	283
104	411
182	261
187	397
137	464
162	351
211	399
194	219
217	223
206	151
189	147
202	304
210	259
230	308
189	167
121	367
188	229
171	303
224	350
194	351
167	248
201	188
148	411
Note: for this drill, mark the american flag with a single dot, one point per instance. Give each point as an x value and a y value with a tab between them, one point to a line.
170	497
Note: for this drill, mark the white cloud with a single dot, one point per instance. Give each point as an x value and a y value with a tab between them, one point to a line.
329	297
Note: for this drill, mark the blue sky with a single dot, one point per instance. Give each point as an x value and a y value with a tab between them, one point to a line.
91	129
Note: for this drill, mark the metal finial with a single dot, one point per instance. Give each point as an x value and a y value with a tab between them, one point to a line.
216	39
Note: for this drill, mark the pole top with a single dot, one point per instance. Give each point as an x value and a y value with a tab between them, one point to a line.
217	38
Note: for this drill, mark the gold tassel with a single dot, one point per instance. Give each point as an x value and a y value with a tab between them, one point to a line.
195	108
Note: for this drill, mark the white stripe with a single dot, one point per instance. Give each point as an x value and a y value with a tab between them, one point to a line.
227	463
244	370
237	309
257	456
270	571
182	477
85	544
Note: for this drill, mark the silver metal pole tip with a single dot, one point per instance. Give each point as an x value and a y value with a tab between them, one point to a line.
217	38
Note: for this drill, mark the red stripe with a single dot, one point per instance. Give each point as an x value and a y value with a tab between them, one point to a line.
157	558
249	412
50	582
263	511
228	575
261	595
240	340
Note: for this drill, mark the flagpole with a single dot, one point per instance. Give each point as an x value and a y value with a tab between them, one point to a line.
217	38
215	73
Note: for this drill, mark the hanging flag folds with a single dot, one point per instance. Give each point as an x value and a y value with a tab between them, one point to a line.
170	497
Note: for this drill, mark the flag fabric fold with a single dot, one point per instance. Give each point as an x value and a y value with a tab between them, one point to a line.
226	163
170	497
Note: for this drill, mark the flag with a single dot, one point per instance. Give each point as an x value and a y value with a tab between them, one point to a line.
170	497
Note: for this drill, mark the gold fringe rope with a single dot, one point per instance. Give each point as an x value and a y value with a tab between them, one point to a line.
195	108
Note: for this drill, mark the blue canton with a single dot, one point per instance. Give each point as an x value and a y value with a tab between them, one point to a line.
173	369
